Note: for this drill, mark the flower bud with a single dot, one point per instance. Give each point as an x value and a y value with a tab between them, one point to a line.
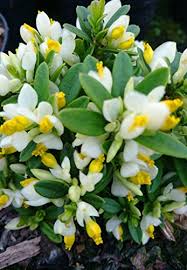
74	193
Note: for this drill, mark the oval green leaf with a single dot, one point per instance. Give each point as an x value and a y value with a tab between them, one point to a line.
83	121
111	206
81	102
27	152
70	84
95	90
165	144
181	166
121	73
158	77
51	189
48	231
77	32
41	82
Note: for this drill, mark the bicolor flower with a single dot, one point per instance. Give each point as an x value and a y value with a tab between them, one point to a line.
118	36
162	56
114	225
142	113
148	224
182	69
172	194
47	27
90	146
27	55
81	160
119	190
28	33
83	214
26	111
137	163
67	230
103	75
9	197
63	171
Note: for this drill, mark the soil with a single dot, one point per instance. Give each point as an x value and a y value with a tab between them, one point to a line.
160	254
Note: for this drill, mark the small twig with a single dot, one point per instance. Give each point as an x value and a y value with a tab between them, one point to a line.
20	252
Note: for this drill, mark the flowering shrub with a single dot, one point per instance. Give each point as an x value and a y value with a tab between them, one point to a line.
93	127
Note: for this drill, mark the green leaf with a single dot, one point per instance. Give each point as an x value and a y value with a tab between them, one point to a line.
81	102
175	63
104	182
165	144
77	31
133	28
156	183
70	84
121	11
11	99
83	121
93	199
111	206
181	169
41	82
89	63
52	212
27	152
122	71
51	189
135	232
158	77
82	14
47	230
95	90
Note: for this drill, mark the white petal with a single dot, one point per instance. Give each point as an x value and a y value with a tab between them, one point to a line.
64	229
129	169
29	61
157	114
181	210
20	140
126	124
38	202
156	94
80	162
43	24
130	151
85	210
28	97
166	50
25	34
57	124
44	108
105	80
111	109
18	168
51	141
110	8
4	85
176	195
13	224
55	31
112	224
118	189
135	101
91	147
66	164
11	110
68	46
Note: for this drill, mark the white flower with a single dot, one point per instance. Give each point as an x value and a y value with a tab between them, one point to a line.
64	228
13	224
51	141
118	36
90	146
142	112
136	159
84	212
103	75
27	56
9	197
118	189
161	57
7	85
114	225
48	28
89	181
182	69
148	224
18	140
81	160
172	194
63	171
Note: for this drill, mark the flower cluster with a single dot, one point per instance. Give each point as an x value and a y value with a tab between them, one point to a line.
93	128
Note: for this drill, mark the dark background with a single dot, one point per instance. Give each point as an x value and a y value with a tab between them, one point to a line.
160	20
